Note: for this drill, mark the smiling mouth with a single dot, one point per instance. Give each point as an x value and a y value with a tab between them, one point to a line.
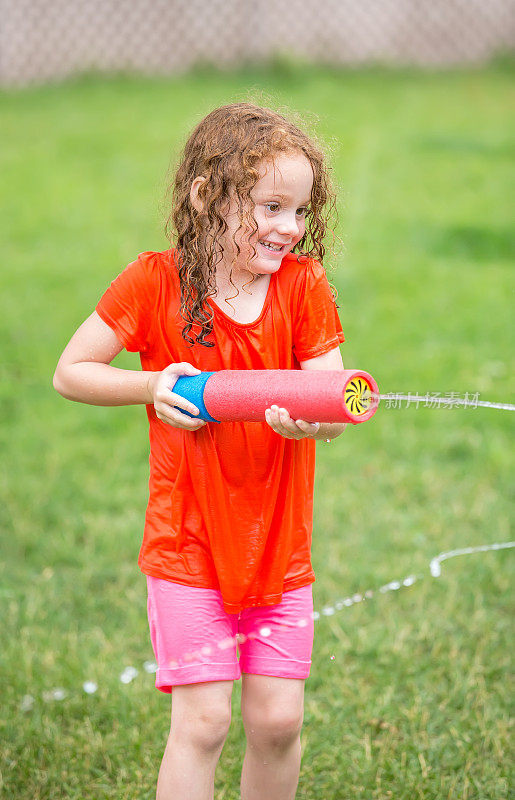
272	248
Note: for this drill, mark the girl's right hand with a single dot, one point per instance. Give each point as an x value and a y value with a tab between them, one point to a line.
161	388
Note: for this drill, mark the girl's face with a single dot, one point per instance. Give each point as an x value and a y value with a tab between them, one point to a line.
281	197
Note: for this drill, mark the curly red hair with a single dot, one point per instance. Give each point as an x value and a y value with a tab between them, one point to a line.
227	148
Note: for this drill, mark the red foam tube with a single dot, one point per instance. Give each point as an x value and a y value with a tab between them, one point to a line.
314	396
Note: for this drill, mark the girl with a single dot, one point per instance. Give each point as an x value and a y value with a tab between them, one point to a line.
226	546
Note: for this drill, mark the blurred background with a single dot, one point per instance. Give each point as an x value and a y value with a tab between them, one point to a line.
57	38
413	101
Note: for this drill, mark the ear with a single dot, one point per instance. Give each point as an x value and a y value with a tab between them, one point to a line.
196	202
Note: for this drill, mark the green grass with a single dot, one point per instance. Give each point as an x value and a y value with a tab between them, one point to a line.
409	692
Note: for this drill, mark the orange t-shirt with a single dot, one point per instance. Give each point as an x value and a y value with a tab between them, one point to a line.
231	504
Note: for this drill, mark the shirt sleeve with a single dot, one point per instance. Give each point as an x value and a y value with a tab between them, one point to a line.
126	306
317	328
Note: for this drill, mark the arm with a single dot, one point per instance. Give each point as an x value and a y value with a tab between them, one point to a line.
84	373
328	361
282	423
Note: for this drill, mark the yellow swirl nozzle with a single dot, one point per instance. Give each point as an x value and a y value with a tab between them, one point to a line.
358	396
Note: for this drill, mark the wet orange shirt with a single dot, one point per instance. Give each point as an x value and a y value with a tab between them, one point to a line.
230	505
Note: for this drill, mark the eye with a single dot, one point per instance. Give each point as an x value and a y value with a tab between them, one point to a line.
302	211
272	207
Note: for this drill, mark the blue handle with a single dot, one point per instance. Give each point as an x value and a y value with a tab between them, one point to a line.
192	389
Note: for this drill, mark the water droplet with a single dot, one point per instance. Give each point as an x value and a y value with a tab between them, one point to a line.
54	694
128	674
27	702
189	657
225	644
435	568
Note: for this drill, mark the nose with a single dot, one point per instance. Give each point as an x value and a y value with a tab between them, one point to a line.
288	225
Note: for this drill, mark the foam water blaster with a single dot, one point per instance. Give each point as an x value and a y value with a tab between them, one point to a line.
349	395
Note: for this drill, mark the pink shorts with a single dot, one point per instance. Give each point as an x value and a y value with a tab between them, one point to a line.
195	640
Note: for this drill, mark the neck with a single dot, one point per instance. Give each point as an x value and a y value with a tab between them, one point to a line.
239	279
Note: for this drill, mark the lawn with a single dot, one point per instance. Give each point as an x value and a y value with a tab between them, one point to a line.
409	691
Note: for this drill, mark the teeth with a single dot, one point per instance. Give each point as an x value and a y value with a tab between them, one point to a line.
271	246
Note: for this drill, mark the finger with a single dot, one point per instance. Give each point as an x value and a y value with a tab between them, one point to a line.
175	371
188	424
178	420
182	368
178	401
278	421
271	417
180	408
286	422
165	397
274	417
308	427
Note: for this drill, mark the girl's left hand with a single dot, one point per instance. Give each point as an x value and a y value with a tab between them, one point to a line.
281	422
